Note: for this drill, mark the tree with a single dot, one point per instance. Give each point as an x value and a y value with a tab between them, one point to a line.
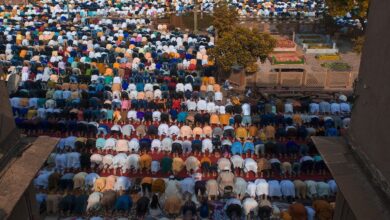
357	8
224	18
358	44
241	46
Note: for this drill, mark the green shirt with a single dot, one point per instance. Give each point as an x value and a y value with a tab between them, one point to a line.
166	164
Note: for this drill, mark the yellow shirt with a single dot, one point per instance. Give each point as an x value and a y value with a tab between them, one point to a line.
177	164
100	184
31	113
241	132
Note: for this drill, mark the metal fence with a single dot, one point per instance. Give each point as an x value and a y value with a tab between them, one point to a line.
319	80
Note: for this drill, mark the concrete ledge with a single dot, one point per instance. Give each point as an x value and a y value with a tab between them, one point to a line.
364	197
19	174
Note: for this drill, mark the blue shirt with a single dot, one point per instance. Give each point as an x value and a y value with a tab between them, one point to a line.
249	146
181	117
140	87
324	107
123	202
100	142
314	108
236	148
332	132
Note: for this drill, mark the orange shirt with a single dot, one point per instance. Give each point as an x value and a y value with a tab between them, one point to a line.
197	131
117	115
116	65
270	132
224	119
211	80
214	119
205	159
140	95
148	180
116	87
23	53
108	72
207	130
297	119
252	131
145	161
205	80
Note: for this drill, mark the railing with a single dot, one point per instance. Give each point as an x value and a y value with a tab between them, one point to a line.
310	80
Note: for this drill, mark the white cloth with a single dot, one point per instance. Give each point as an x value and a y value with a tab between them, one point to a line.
207	145
122	182
250	165
163	129
262	187
133	161
201	105
110	144
156	144
246	109
237	161
94	200
240	186
134	145
249	205
119	161
251	189
174	130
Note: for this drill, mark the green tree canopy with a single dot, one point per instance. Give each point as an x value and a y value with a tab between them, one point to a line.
357	8
224	18
241	46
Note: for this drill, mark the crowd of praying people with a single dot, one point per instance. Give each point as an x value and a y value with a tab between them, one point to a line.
146	130
66	10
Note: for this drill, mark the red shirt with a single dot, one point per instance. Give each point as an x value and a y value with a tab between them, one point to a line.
176	104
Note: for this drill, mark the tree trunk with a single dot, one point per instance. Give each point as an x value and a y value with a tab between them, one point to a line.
195	16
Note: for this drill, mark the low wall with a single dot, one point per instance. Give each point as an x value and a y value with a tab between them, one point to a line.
318	80
322	51
284	49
